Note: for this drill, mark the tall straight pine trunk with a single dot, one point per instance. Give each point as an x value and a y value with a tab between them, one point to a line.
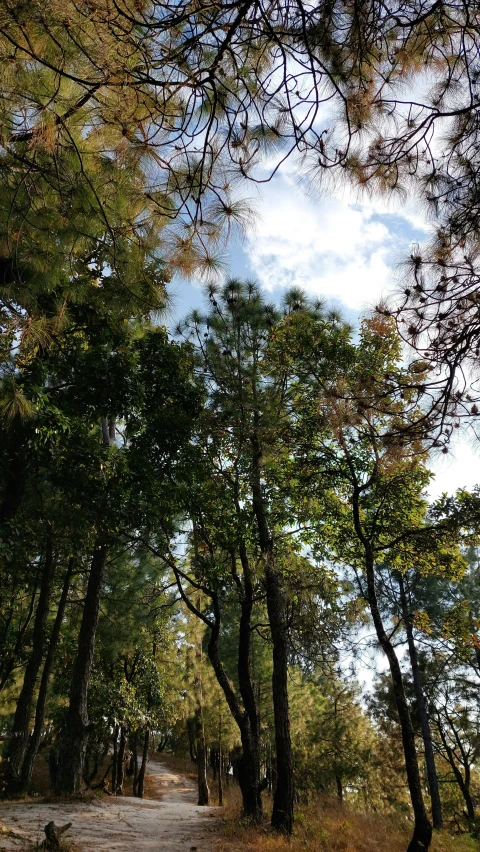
73	741
200	745
422	831
249	766
246	717
282	812
121	763
283	799
36	735
422	710
20	732
143	767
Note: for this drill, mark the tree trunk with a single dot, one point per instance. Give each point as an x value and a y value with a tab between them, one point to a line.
201	749
18	741
465	790
74	737
91	771
422	832
467	795
282	813
463	783
115	759
214	762
134	747
53	834
108	431
121	763
471	816
163	742
191	740
338	782
220	779
422	711
250	763
143	768
36	736
203	791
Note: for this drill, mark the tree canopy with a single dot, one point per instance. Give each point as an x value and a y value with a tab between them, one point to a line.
210	535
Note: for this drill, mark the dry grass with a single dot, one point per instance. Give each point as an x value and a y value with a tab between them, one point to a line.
326	827
179	765
323	826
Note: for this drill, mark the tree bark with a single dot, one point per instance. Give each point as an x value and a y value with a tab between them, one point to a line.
73	740
203	791
463	783
249	764
214	762
121	763
282	812
339	784
201	749
143	768
115	759
191	740
18	741
220	777
36	735
134	747
250	761
422	832
422	711
53	834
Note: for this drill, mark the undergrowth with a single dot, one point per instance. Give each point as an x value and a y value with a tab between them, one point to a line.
326	827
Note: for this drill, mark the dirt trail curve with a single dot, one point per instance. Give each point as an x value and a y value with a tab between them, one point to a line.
120	824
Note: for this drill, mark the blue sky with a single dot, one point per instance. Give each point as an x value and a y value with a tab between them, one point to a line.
337	247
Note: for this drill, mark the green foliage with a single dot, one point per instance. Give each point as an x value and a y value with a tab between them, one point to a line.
334	741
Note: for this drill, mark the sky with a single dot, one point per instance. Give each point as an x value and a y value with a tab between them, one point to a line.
339	248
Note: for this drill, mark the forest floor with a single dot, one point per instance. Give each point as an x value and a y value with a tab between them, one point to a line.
168	821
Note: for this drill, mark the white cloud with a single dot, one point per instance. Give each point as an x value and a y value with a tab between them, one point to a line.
331	247
460	468
346	248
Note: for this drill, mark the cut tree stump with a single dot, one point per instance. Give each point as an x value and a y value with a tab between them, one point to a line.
53	834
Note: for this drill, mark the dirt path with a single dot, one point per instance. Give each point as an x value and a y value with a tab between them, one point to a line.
121	824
